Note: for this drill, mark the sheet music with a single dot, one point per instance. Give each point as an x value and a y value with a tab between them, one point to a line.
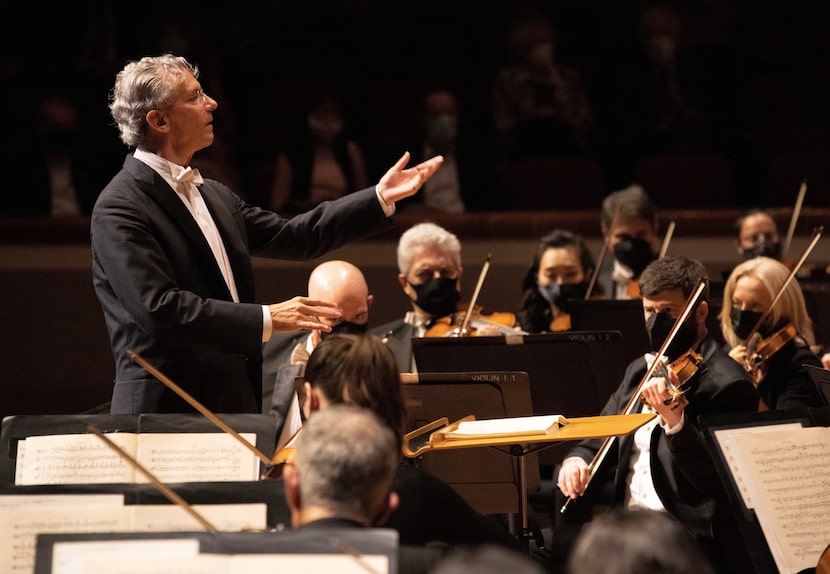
732	454
197	457
510	426
50	500
73	459
69	557
788	473
171	457
225	517
241	564
19	527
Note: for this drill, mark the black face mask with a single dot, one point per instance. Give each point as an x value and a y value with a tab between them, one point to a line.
634	253
346	328
772	250
659	325
743	322
560	295
438	297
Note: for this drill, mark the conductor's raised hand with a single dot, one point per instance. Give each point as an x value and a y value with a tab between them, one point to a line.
302	313
399	183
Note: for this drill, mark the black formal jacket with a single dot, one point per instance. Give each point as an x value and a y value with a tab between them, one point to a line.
787	384
164	296
683	473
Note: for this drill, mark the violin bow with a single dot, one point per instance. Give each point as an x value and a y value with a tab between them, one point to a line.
484	269
816	235
196	404
605	245
667	238
634	401
796	213
169	493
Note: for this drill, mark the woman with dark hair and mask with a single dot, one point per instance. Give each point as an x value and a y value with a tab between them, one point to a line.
782	380
561	271
629	225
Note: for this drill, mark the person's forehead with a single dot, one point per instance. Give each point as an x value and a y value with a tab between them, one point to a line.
672	298
431	256
758	222
633	226
555	256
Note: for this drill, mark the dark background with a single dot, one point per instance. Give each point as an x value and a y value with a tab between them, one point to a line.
757	69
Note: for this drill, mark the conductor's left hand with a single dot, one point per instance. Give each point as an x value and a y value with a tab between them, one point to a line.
399	183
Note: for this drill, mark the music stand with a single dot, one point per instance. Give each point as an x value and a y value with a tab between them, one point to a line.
486	479
572	373
432	437
821	379
623	315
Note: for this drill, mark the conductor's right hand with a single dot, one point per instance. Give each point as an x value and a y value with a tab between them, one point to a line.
573	477
302	313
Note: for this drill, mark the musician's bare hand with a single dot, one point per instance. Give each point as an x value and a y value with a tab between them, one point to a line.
655	394
302	313
738	353
573	477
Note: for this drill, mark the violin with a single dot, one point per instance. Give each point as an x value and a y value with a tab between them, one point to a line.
462	323
684	367
477	323
760	351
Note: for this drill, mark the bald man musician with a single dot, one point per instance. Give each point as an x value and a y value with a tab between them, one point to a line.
285	356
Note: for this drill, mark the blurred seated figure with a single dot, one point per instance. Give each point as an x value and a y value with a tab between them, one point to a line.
321	163
757	235
561	271
629	224
782	381
637	541
539	104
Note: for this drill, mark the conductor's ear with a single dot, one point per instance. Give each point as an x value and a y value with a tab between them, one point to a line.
155	119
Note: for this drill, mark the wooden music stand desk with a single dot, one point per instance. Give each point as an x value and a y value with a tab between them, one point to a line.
433	437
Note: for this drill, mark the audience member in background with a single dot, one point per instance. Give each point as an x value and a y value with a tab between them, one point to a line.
440	132
285	355
341	477
637	541
781	379
665	465
561	271
632	243
757	235
360	370
61	159
539	104
321	163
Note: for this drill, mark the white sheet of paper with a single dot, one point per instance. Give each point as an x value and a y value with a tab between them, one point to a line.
69	557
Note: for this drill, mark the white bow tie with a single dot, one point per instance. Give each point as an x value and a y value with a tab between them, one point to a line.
189	175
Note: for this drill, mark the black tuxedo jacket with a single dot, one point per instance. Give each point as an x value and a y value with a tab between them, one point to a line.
398	335
164	296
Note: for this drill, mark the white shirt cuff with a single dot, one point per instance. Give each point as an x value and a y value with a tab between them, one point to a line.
267	326
676	428
389	210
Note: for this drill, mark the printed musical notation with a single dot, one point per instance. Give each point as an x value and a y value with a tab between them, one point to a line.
171	457
786	474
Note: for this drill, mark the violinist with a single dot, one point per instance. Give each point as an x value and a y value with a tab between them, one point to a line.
429	266
757	235
665	464
786	336
560	272
629	225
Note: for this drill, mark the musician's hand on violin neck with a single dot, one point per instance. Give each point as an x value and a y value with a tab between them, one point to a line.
655	394
738	353
573	477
